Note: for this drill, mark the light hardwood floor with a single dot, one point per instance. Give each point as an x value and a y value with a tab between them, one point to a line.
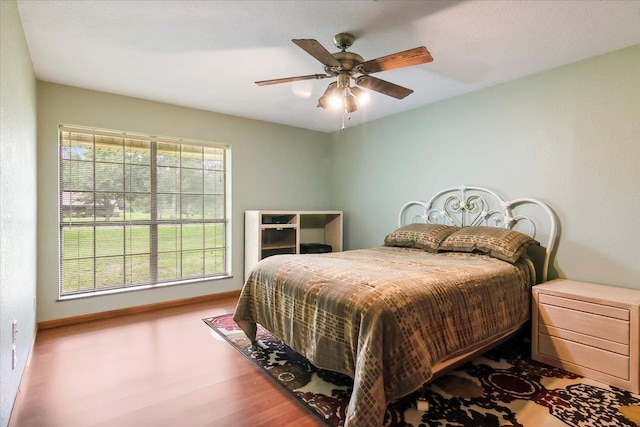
159	368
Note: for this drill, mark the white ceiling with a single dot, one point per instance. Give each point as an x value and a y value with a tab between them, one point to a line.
207	54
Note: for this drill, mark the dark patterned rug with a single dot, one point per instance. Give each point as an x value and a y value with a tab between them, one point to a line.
503	387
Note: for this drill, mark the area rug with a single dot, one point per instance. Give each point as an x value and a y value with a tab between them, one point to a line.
503	387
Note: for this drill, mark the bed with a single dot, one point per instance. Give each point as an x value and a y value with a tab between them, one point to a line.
452	281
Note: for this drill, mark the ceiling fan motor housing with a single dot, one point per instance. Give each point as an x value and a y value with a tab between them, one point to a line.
348	63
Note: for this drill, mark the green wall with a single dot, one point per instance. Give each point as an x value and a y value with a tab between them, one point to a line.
17	203
568	136
272	167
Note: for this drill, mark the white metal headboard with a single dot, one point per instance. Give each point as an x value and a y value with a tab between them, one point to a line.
477	206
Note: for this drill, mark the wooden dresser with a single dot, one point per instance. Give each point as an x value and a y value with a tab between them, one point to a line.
591	330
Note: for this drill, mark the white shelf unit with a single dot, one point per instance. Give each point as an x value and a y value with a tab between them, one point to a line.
591	330
273	232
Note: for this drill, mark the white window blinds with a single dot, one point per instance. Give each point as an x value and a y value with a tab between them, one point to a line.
138	210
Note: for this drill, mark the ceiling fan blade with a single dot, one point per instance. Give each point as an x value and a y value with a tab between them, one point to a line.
383	86
408	58
292	79
315	49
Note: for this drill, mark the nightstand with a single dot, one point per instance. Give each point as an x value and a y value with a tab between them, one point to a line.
591	330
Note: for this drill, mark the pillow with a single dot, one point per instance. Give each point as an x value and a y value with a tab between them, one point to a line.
421	236
507	245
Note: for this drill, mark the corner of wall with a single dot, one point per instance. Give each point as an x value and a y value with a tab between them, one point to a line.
17	206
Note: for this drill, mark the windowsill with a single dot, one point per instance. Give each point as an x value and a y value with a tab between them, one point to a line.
139	288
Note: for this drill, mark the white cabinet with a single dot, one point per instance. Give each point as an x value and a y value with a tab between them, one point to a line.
269	233
588	329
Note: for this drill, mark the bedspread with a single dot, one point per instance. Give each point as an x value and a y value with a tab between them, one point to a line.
383	316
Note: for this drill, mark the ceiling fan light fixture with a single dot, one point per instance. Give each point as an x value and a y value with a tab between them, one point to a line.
343	80
326	100
335	100
350	103
361	95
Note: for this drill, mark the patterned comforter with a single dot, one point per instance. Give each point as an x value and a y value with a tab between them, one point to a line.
384	316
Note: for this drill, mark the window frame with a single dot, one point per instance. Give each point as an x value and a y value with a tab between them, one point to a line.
216	223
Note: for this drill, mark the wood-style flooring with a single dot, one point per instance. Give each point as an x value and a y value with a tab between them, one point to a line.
158	368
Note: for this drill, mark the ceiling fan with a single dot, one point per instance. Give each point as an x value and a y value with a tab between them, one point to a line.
349	65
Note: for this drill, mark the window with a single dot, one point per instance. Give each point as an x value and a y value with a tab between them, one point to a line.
138	210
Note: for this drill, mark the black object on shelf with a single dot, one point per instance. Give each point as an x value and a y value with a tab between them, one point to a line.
276	219
314	248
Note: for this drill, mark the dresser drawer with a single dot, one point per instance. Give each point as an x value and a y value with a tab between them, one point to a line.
589	340
604	327
604	310
583	355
